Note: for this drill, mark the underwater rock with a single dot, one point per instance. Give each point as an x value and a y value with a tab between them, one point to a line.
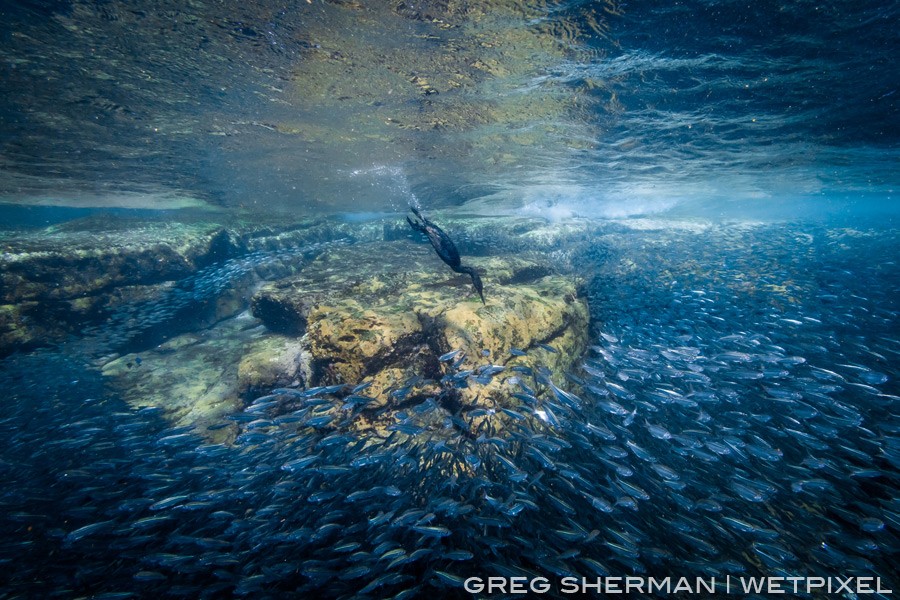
16	327
61	279
383	312
376	311
272	361
199	378
66	262
68	275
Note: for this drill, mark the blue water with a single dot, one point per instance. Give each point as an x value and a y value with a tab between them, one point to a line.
603	108
28	217
734	416
736	421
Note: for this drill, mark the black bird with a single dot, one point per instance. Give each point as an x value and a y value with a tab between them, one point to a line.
445	248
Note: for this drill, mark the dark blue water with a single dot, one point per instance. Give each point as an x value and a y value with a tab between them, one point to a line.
735	415
737	421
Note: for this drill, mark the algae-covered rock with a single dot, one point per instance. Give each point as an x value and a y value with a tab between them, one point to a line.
385	312
268	362
380	312
70	275
193	378
61	279
16	328
199	378
64	262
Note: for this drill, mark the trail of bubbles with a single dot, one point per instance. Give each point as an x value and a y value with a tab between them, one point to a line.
394	179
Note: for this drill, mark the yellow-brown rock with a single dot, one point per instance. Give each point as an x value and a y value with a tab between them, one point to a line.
384	312
200	378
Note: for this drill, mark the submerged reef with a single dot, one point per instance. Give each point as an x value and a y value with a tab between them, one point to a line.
376	312
199	378
320	303
383	313
55	281
70	278
225	313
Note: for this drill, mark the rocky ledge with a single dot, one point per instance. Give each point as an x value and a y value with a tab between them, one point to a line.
381	314
385	313
56	281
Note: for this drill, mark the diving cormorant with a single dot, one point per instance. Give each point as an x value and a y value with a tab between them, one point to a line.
445	248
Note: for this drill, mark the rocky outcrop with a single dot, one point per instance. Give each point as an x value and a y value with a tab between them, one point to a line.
384	313
61	279
199	378
74	274
378	312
